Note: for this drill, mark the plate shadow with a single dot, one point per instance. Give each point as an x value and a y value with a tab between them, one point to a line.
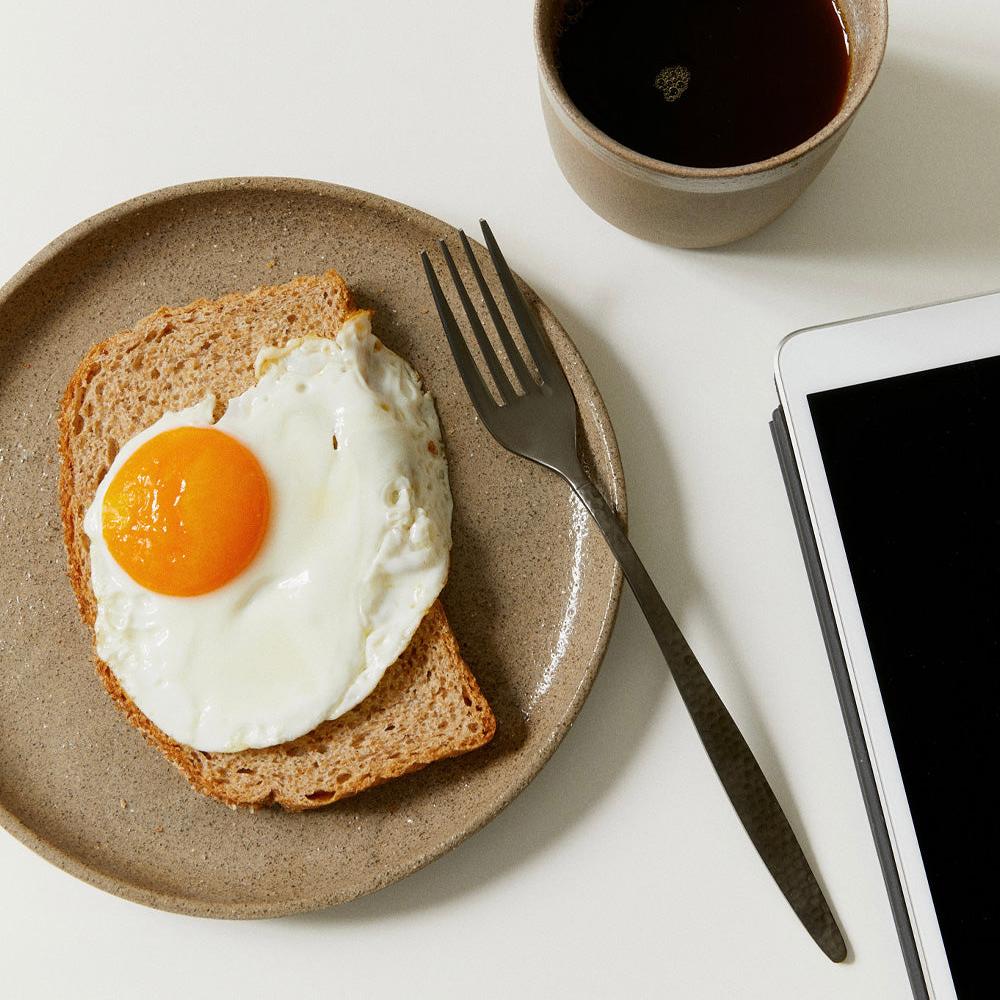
625	698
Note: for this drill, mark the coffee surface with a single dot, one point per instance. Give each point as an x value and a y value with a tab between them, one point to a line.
705	83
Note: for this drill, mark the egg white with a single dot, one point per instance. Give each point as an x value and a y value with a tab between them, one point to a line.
356	551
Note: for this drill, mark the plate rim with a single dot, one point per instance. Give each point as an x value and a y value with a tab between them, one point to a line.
121	886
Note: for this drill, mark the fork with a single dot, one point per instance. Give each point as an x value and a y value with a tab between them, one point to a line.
536	418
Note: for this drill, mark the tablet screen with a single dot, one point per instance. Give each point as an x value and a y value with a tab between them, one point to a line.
913	464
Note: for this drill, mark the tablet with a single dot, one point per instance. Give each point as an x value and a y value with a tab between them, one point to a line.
893	422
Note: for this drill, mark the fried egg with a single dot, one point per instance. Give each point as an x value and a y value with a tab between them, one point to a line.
255	575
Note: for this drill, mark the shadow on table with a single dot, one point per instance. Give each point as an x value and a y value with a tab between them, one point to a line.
917	176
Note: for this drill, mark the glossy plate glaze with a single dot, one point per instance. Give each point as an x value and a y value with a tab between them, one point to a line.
532	594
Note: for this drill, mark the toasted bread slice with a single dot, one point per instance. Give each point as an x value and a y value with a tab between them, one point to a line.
426	707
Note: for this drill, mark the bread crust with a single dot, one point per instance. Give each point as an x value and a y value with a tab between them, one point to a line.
427	707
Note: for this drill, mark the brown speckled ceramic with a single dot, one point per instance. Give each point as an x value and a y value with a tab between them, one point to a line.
695	206
532	595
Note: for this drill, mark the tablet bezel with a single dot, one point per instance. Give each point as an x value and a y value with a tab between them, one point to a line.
844	354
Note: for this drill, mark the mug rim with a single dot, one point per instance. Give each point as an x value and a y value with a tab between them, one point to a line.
546	63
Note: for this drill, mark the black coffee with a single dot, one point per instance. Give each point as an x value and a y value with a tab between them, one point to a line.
705	83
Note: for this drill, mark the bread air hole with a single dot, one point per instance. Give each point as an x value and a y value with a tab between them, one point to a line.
320	796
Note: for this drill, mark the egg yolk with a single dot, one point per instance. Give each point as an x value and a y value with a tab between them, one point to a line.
187	511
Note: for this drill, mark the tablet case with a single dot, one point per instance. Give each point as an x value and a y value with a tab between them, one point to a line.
835	651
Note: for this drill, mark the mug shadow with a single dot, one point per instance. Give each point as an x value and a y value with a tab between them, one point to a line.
920	184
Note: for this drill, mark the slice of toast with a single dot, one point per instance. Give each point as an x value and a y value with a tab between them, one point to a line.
427	706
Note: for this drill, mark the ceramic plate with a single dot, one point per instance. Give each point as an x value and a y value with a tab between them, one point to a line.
532	594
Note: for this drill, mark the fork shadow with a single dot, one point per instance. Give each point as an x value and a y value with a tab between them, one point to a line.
657	529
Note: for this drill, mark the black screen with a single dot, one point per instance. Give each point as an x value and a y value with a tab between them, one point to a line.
913	464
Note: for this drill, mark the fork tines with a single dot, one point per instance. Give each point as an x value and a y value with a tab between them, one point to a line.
549	370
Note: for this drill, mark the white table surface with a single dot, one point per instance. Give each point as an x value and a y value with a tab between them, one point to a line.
621	871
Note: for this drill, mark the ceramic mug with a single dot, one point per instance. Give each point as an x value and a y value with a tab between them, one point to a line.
695	206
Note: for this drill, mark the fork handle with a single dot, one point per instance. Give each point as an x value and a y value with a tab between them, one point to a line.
735	764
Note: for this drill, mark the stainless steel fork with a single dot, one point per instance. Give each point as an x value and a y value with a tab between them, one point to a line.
537	419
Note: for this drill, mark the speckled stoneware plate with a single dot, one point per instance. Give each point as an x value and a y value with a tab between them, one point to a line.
532	595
